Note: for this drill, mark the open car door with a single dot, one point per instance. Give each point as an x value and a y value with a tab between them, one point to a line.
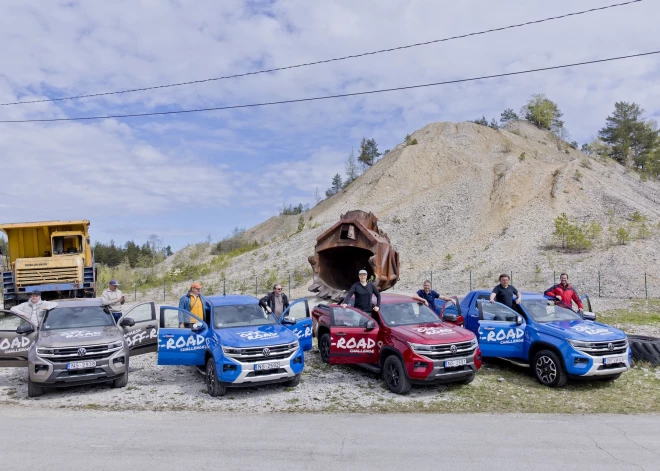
181	345
450	311
501	331
353	336
142	337
17	335
299	310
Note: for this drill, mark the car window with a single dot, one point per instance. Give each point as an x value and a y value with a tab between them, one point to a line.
496	312
10	322
240	315
546	310
407	313
348	318
76	317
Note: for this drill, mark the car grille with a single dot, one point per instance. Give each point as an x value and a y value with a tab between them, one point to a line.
31	276
444	351
599	349
92	352
255	354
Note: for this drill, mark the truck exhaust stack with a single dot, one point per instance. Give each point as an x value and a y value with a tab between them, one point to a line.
353	243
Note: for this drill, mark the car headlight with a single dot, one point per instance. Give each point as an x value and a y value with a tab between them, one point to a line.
117	344
474	342
418	347
579	343
294	345
45	351
231	350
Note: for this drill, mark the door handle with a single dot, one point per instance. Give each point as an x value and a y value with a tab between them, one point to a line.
150	327
168	336
473	315
340	334
488	328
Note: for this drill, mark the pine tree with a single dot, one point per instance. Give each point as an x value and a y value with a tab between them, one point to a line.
508	115
631	137
352	170
336	183
368	152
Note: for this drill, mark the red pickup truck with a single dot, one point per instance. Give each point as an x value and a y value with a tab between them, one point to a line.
406	342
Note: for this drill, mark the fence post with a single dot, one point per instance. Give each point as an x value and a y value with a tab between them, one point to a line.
554	277
599	283
289	284
646	287
224	287
511	276
470	280
431	280
256	286
135	292
164	290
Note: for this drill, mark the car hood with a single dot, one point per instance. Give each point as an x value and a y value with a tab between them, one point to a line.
255	336
431	334
582	330
78	337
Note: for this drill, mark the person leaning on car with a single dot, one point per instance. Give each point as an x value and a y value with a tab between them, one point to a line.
503	293
275	301
428	296
193	302
564	292
34	308
363	292
113	298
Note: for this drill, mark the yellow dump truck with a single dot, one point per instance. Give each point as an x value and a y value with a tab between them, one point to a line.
53	257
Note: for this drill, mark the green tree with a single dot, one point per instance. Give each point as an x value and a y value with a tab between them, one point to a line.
352	170
4	249
631	137
544	113
368	152
481	121
622	236
562	226
336	183
508	115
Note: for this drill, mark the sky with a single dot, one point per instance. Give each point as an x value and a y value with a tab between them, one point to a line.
190	176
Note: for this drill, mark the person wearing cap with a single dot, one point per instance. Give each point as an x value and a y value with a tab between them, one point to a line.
194	303
113	299
34	308
363	292
275	301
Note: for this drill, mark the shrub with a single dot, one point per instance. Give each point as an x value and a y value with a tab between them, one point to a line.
301	223
584	163
396	220
638	217
508	145
578	175
622	236
522	157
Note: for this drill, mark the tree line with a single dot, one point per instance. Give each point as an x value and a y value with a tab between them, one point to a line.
146	255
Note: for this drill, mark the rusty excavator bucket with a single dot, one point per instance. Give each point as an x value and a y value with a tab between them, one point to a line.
354	243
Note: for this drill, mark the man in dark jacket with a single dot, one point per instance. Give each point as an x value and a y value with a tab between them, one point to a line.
504	292
363	292
275	301
564	292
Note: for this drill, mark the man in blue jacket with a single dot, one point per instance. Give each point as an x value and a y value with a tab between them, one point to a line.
194	303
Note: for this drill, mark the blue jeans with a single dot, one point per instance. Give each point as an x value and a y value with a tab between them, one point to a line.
117	316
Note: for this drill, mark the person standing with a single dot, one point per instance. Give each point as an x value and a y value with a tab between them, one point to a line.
565	293
34	308
428	296
194	303
363	292
275	302
504	292
113	299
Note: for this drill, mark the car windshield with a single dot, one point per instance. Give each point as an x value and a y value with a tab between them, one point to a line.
240	315
545	310
406	314
76	317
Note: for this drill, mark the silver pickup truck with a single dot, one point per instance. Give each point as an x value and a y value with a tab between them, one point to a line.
77	342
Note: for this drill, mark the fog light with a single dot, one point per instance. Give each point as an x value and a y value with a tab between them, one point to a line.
297	359
119	360
38	368
420	365
580	361
228	367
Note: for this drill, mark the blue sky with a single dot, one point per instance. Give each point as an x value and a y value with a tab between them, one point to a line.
188	176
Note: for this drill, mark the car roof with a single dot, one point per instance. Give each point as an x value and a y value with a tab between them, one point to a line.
526	294
390	298
231	300
82	302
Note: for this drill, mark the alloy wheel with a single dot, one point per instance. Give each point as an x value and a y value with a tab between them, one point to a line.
546	370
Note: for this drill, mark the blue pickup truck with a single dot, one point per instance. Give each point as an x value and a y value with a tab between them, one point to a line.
237	343
556	342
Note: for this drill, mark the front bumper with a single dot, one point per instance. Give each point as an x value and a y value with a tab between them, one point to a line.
581	364
232	372
435	371
53	373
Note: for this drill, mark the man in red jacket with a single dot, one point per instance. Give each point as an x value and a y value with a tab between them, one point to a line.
564	292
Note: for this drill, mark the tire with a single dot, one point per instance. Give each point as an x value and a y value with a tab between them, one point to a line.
324	347
122	381
34	390
645	348
395	375
609	379
549	370
467	380
293	382
213	386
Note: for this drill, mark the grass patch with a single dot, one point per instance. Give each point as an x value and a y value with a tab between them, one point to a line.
641	312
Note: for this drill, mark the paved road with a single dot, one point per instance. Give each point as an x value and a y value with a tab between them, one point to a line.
82	440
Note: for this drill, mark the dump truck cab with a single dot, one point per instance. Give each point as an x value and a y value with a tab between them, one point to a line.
53	257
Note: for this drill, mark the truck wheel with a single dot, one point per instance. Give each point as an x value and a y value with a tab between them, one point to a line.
645	348
213	385
612	378
122	381
324	348
549	369
395	376
34	390
293	382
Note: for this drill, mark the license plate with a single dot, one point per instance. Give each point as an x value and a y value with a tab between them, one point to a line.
453	363
612	360
267	366
81	365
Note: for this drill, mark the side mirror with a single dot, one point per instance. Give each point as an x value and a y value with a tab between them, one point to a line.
24	329
519	320
288	320
127	322
588	316
198	327
370	325
450	317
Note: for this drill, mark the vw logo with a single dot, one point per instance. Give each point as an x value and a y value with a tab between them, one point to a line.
610	346
266	352
452	349
82	352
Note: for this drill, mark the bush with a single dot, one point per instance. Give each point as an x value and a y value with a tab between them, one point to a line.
522	157
301	223
508	145
572	235
643	231
578	175
638	217
584	163
410	141
622	236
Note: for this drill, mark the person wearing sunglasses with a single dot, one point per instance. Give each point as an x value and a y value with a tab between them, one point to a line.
193	302
275	302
